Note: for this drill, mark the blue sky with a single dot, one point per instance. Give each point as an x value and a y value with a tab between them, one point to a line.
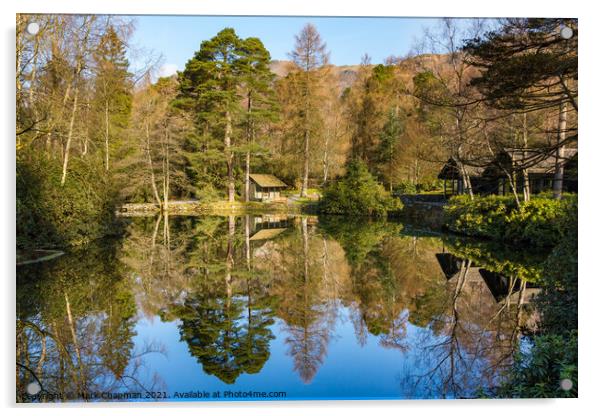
176	38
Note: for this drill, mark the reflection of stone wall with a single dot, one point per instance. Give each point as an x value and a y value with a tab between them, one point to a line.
422	213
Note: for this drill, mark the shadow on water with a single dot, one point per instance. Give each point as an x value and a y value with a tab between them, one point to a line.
432	315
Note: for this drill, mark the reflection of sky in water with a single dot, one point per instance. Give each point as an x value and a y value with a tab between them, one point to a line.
348	371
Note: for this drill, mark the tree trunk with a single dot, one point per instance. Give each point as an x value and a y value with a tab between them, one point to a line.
79	66
390	169
325	160
166	173
248	154
466	183
32	81
559	168
305	165
305	181
69	136
526	187
512	183
416	171
229	156
106	135
247	175
151	167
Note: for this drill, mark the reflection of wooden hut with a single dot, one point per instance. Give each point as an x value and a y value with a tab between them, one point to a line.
498	284
265	187
269	226
271	221
452	265
267	234
500	287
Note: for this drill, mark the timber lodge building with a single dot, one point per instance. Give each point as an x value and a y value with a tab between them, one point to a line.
494	177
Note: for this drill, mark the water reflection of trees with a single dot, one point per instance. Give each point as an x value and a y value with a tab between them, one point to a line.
75	320
225	319
474	336
227	281
300	280
390	276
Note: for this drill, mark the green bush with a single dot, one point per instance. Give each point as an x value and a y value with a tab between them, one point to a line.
537	222
357	193
50	215
405	188
481	216
430	185
557	301
539	372
542	221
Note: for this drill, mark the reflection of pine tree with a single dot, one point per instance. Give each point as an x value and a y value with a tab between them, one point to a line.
254	344
212	330
118	331
228	335
225	322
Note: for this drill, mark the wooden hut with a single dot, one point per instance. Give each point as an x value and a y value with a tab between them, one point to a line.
509	165
452	179
265	187
539	165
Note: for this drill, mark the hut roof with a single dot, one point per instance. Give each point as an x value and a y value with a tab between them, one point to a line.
267	181
536	160
451	171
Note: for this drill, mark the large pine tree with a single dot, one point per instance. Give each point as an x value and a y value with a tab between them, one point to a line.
259	98
228	85
112	98
210	83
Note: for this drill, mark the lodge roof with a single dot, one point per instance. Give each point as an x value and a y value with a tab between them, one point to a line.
267	181
451	171
536	160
